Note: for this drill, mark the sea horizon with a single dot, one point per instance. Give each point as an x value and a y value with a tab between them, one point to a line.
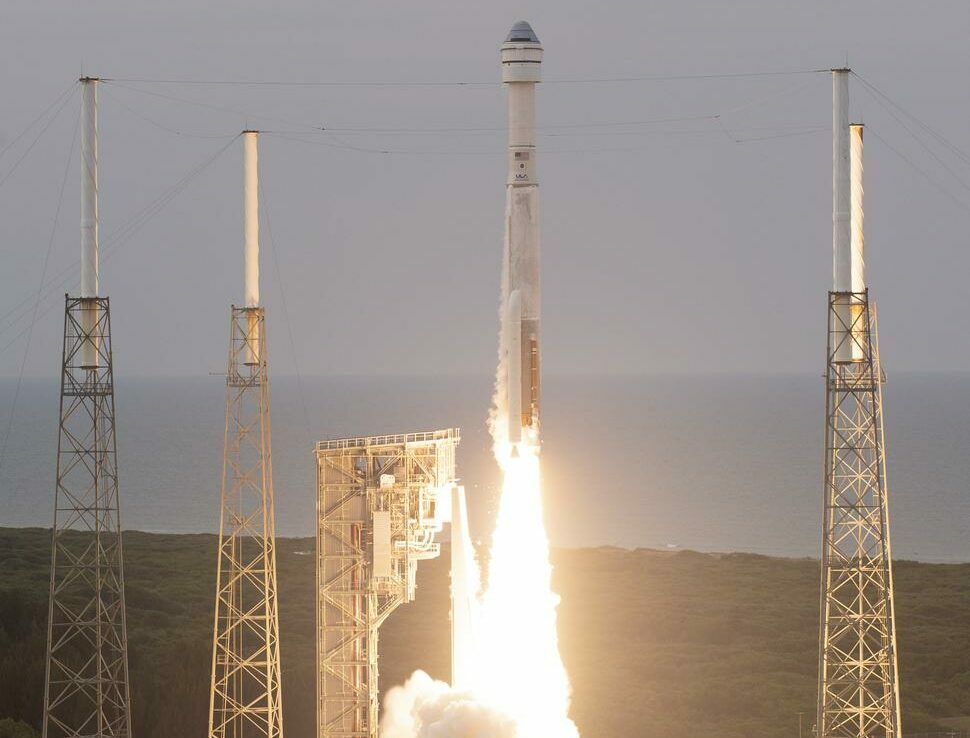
713	462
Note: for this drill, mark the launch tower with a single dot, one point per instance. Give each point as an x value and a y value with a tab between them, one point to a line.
245	699
86	682
380	502
858	694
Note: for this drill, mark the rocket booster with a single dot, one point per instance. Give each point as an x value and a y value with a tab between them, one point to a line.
521	65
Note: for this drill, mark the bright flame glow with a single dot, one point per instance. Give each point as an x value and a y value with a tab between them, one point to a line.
519	668
517	686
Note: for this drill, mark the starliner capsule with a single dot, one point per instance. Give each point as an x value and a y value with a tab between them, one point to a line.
521	65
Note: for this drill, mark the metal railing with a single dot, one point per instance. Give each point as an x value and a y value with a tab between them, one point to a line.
388	440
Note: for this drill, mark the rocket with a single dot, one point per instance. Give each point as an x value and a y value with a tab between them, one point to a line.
521	70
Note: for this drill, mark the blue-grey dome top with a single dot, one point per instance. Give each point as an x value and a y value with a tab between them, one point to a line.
522	33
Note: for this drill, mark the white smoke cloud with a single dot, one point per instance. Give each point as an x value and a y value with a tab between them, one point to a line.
499	411
428	708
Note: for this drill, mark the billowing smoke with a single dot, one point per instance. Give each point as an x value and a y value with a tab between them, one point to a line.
515	684
427	708
499	411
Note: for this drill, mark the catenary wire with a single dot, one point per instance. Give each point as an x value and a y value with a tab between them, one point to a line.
938	136
963	183
919	170
34	122
119	237
286	312
43	275
163	127
37	138
454	83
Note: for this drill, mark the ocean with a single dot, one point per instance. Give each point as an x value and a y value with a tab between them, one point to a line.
709	463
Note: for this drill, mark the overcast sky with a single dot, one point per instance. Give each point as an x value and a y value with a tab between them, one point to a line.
673	241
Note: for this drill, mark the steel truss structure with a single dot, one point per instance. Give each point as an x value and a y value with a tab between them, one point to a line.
377	514
86	684
858	675
245	690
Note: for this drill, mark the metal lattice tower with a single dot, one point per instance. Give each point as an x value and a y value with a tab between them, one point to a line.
858	675
86	681
245	695
858	691
377	514
245	692
86	691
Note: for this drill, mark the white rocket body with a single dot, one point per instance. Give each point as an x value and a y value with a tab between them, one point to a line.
521	70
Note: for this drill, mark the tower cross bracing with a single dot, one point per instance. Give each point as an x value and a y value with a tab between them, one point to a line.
858	673
246	681
86	685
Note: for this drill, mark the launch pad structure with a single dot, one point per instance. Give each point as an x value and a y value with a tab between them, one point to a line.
380	502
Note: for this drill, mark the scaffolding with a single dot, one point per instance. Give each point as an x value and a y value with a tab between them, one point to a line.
858	674
245	689
86	683
380	502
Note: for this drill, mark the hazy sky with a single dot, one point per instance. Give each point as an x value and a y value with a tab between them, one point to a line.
672	241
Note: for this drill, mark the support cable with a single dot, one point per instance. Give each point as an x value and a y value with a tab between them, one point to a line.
167	129
286	312
43	275
875	91
454	83
876	96
34	122
37	138
113	243
336	143
317	128
919	170
245	116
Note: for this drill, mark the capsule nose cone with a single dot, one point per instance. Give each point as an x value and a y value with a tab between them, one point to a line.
522	33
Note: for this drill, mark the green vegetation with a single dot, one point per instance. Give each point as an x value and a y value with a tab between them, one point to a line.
657	644
15	729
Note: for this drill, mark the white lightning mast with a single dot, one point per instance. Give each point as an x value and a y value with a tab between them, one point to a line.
89	188
86	685
89	218
858	694
245	699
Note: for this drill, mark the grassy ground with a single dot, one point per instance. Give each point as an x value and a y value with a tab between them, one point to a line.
656	643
